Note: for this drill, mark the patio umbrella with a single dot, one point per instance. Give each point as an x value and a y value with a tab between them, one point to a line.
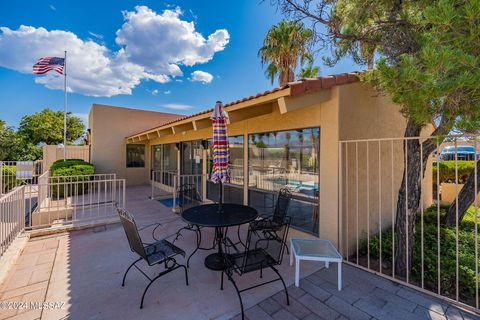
220	154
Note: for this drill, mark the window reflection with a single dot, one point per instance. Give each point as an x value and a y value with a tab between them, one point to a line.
233	191
286	159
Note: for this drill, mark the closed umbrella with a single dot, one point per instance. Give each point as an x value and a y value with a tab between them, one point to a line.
220	154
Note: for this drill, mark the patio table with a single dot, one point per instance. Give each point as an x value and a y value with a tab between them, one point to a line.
316	250
209	215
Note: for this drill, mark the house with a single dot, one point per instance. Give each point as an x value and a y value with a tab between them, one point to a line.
285	137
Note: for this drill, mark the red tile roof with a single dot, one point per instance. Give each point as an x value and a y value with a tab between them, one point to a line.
296	88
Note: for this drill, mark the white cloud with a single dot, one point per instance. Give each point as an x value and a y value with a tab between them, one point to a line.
155	92
201	76
163	42
177	106
96	35
167	92
52	7
153	47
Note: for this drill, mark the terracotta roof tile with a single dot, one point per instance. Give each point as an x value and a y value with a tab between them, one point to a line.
296	88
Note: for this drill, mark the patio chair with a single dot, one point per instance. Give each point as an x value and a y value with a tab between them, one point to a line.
260	254
188	197
269	224
160	252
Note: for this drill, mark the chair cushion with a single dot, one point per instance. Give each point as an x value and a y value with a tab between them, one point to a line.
161	250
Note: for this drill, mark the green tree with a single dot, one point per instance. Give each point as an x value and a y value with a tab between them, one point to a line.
428	63
309	71
46	127
13	147
285	46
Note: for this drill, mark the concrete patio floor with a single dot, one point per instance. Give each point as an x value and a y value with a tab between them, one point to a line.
82	271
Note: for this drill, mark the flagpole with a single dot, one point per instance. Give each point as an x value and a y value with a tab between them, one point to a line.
65	109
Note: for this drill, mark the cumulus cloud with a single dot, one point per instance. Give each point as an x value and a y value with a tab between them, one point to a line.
201	76
154	92
152	47
163	42
167	92
52	7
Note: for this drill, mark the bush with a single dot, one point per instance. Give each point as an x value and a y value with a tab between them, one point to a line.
466	253
447	171
65	184
9	178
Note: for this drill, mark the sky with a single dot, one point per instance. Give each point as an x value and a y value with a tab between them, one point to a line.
177	57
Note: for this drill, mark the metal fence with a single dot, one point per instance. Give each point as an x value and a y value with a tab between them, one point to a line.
162	183
12	217
407	214
77	199
15	173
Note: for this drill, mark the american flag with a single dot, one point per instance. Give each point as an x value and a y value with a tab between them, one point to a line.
49	63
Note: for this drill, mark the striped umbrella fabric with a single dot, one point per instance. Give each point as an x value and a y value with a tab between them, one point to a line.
221	153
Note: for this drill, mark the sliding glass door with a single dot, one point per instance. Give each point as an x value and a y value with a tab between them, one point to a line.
286	159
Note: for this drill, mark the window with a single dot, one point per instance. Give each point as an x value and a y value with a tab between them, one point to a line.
286	159
135	155
232	191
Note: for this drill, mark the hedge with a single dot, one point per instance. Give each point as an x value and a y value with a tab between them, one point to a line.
466	253
64	170
9	178
447	171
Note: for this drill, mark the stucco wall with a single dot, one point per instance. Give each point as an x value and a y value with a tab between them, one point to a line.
109	126
372	170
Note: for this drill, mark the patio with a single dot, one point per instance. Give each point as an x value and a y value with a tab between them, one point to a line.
82	271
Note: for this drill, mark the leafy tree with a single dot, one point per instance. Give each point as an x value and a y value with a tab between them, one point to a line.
284	47
309	71
428	63
46	127
13	146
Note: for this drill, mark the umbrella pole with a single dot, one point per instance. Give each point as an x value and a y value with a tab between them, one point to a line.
220	201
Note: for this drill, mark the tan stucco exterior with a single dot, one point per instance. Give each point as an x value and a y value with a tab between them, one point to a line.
341	112
108	127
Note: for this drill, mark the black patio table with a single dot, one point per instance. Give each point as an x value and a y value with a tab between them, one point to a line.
209	215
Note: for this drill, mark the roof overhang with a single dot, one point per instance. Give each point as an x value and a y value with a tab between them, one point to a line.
287	98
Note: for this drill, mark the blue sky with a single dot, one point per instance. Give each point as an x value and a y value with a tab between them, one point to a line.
128	59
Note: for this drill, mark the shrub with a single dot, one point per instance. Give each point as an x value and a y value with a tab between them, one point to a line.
62	173
466	253
447	170
9	178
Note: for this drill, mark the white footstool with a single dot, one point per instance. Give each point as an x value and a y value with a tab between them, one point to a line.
314	250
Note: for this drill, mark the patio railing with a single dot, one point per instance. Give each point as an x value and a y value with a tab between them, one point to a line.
162	183
12	217
15	173
421	237
77	199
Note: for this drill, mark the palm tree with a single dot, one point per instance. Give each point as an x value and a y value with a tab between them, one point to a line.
309	71
285	45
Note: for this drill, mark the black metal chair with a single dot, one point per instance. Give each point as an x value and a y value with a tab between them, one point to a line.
269	224
187	197
261	253
160	252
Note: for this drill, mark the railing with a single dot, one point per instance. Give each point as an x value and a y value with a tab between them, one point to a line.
12	217
78	199
15	173
419	230
162	183
196	180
